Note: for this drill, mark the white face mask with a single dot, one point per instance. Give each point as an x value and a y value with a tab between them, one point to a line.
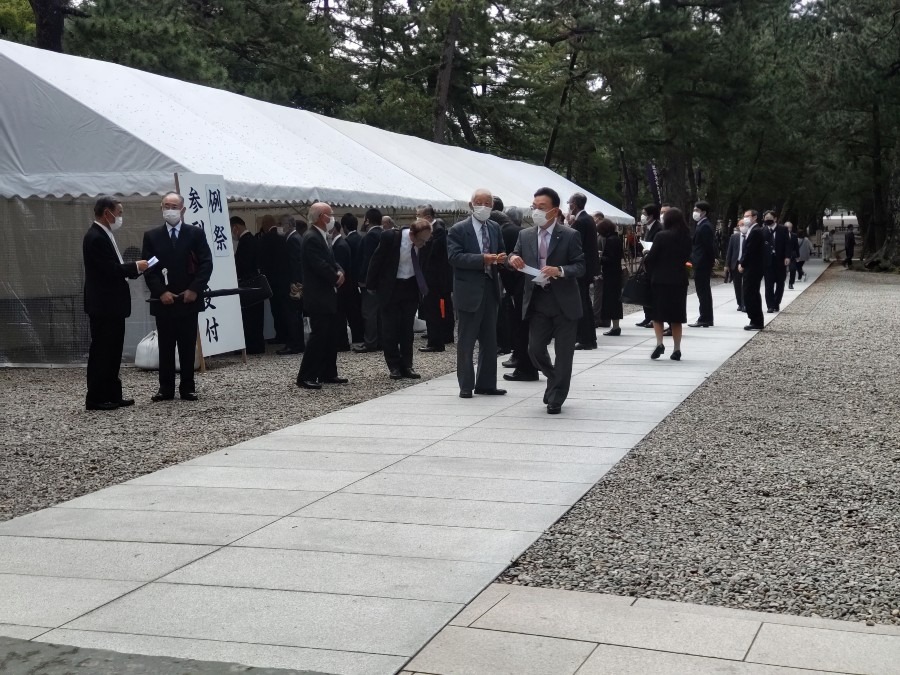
538	217
279	229
482	213
644	220
116	225
172	216
748	222
744	229
697	216
329	226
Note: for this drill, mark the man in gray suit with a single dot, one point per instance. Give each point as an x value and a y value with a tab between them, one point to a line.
474	249
554	308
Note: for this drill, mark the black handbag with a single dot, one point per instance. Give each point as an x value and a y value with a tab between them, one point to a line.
257	290
636	291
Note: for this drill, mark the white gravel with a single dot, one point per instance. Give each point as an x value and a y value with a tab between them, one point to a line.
52	450
774	487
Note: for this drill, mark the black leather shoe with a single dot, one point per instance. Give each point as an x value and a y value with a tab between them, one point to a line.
676	355
510	363
742	309
553	409
159	396
751	326
431	349
464	393
520	377
410	374
363	350
585	346
613	332
699	324
125	402
285	351
103	405
306	384
791	287
659	351
646	323
190	396
334	380
396	374
668	332
490	392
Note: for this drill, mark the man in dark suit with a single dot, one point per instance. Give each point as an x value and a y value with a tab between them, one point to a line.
514	283
849	248
321	279
474	249
368	301
182	273
107	302
703	257
793	253
504	325
650	223
293	308
554	308
350	225
752	265
437	306
273	261
584	224
343	255
732	255
777	261
246	264
396	278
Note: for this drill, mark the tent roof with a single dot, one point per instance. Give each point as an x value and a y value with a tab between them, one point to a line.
62	133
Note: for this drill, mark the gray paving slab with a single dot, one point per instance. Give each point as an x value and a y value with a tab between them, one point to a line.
579	409
333	444
296	459
435	511
340	573
486	489
20	632
261	655
467	651
489	597
525	451
251	477
608	659
560	425
638	396
342	622
146	526
367	431
123	561
52	601
397	539
403	418
248	501
592	618
844	652
500	468
546	437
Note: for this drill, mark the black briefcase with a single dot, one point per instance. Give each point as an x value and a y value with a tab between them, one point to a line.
636	291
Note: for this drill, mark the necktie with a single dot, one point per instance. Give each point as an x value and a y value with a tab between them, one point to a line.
542	251
485	245
174	234
417	270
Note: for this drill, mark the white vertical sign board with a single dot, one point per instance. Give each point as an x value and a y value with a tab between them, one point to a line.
220	326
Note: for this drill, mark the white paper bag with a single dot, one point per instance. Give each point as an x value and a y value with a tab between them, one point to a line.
146	356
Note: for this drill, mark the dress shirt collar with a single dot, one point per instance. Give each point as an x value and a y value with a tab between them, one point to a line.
177	229
111	238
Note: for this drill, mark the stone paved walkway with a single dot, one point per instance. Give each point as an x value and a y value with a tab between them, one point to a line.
345	543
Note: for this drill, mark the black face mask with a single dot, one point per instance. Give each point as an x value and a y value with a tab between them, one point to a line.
770	223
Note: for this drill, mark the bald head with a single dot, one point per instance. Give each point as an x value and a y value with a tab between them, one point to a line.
319	214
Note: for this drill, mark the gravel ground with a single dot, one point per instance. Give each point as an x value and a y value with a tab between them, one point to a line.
53	450
777	492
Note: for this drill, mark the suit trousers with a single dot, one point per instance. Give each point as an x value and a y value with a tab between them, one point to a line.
737	278
253	318
397	321
478	326
587	334
371	320
704	293
320	357
597	305
504	334
519	327
354	314
774	277
781	271
279	306
793	273
546	323
104	359
752	298
176	331
438	326
296	339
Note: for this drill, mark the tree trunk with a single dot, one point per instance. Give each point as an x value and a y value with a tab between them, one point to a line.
49	19
877	231
548	156
445	73
887	257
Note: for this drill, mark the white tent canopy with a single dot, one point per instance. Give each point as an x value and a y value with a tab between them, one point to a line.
71	126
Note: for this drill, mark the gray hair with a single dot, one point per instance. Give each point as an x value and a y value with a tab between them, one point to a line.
482	191
288	221
579	200
169	194
515	214
315	212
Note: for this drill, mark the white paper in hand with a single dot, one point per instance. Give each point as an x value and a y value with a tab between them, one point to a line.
541	280
646	244
530	271
152	262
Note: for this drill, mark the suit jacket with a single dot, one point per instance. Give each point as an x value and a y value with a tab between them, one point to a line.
611	260
435	265
513	281
354	241
780	244
382	274
733	251
585	226
849	241
665	261
294	246
652	231
106	292
467	260
246	256
370	242
755	254
320	274
793	245
703	252
189	265
564	251
273	261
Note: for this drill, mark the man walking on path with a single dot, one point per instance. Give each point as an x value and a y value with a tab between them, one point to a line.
585	226
752	265
703	256
732	256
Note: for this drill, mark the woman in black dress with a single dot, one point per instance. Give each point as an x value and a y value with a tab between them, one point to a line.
611	269
666	263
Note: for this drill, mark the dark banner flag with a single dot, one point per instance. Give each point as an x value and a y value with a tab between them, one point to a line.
653	181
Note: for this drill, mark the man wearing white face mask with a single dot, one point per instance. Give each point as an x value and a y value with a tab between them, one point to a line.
322	276
474	249
107	302
651	225
703	256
